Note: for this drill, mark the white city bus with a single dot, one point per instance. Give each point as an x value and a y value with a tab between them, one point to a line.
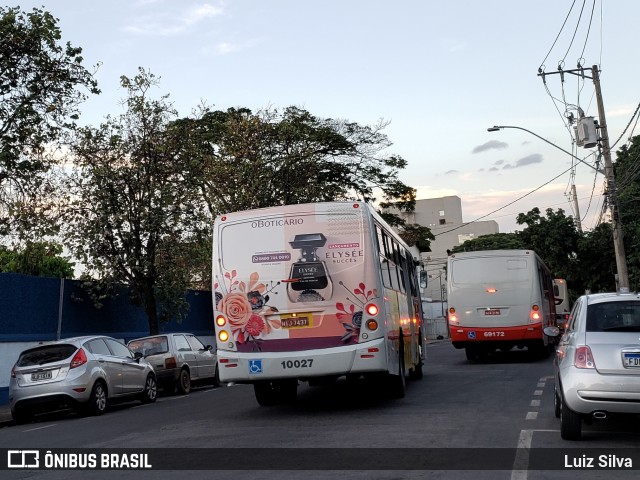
499	299
563	307
313	292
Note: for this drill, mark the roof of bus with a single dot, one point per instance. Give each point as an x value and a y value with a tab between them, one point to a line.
493	253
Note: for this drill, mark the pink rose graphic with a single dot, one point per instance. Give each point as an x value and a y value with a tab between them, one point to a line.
236	308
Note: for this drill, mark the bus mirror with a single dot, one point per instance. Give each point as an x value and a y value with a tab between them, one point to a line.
423	279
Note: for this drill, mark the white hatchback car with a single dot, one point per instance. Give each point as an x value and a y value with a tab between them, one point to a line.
85	372
597	364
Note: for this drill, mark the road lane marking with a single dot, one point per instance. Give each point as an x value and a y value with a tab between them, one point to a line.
537	392
535	403
532	415
40	428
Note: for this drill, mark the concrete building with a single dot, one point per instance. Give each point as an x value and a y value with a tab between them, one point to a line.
444	217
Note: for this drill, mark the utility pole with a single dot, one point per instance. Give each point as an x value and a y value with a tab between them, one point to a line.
574	197
621	259
618	245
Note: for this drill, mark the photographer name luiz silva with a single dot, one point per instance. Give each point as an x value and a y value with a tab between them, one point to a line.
602	461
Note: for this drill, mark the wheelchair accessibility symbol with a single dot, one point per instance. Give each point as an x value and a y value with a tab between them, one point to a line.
255	366
472	335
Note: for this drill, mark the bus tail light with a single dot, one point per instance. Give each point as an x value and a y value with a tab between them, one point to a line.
535	314
372	309
223	336
372	324
584	358
221	321
453	318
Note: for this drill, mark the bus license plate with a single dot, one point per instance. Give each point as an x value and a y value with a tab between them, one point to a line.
41	376
296	320
631	359
492	311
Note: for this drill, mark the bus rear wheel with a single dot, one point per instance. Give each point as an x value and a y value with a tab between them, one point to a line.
269	393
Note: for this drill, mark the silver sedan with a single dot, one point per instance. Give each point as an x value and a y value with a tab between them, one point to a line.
85	372
597	364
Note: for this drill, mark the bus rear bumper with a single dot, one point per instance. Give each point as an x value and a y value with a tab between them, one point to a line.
366	357
522	335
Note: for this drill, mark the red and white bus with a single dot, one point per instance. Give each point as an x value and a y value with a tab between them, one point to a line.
499	299
313	292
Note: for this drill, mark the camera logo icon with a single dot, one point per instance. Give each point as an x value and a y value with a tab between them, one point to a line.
23	459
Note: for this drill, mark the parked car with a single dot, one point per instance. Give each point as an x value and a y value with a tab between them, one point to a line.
179	360
82	372
597	364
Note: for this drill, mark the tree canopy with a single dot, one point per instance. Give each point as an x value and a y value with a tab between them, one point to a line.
289	157
41	259
40	82
130	207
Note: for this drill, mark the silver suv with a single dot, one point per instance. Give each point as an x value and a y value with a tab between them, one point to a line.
179	359
85	372
597	364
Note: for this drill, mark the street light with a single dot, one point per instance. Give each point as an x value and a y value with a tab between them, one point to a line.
618	244
495	128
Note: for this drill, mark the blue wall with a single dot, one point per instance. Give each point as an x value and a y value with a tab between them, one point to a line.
30	310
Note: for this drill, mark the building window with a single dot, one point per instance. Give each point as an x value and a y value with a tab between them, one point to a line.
441	213
442	221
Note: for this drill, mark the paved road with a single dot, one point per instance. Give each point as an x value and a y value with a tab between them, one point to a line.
502	403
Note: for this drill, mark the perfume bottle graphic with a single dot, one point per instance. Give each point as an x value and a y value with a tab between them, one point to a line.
309	280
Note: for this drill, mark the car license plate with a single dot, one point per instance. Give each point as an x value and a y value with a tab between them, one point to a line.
492	311
631	359
296	320
41	376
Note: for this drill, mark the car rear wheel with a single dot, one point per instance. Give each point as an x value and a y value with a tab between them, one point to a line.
184	382
150	393
97	403
570	423
21	415
556	402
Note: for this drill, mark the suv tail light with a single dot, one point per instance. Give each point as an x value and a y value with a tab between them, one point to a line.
584	358
80	358
13	372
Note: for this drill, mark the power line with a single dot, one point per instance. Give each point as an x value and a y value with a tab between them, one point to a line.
505	206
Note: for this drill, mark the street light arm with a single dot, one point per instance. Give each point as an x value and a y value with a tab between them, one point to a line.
495	128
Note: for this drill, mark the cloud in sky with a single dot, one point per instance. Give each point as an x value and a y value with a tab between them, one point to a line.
529	160
175	24
451	172
491	145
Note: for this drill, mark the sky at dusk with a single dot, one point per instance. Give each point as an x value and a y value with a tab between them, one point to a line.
440	73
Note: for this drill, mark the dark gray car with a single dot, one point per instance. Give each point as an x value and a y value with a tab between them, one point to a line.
179	359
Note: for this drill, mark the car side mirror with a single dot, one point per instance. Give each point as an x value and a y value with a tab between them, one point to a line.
137	356
552	331
208	348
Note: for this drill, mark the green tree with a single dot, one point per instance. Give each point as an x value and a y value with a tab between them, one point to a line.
553	237
494	241
596	266
628	198
42	259
131	212
243	160
414	234
40	81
